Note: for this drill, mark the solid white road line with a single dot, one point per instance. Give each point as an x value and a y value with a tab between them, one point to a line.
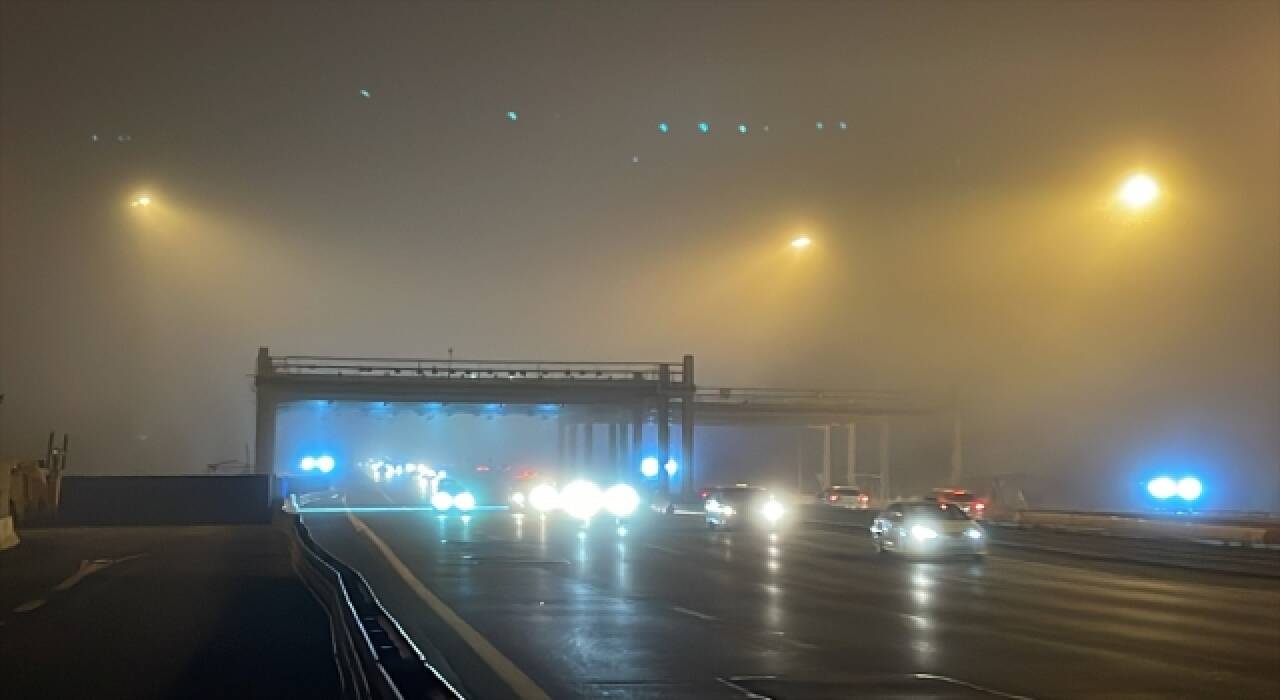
693	613
521	684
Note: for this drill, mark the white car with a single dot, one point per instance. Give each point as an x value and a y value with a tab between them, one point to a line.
927	528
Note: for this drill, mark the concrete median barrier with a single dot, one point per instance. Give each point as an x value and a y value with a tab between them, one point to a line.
164	500
1136	525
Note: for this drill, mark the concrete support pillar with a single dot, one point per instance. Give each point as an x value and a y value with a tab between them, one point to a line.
560	440
571	442
884	458
826	455
589	447
957	452
851	461
687	417
614	462
637	441
664	443
264	443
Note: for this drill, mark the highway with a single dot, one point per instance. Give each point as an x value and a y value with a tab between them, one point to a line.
521	607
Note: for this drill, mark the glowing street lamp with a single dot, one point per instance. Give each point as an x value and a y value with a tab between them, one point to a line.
142	200
1139	191
801	242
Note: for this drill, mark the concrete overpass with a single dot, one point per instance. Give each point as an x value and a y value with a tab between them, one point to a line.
621	395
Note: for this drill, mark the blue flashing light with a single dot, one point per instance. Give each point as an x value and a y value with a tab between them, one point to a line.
663	127
672	467
512	115
325	464
306	464
1162	488
704	127
1189	488
649	467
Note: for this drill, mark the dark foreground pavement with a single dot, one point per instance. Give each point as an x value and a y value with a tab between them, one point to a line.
154	612
674	611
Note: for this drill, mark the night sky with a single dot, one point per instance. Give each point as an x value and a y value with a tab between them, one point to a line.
344	179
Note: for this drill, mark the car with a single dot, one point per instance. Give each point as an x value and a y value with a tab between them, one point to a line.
844	497
927	528
966	501
742	506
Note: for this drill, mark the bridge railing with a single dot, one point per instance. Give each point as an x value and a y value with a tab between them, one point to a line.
465	370
782	398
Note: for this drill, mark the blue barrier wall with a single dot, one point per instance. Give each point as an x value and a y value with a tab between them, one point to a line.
164	500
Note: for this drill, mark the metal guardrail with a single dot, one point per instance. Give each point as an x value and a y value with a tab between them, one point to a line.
510	370
376	660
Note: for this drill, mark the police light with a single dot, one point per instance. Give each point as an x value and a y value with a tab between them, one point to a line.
649	467
1162	487
1189	488
672	467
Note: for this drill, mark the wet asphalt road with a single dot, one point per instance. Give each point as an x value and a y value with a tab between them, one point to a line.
671	610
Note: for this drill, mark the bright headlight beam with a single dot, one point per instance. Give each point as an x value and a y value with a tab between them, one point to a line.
772	510
325	463
307	463
465	501
621	500
544	498
649	467
581	499
442	501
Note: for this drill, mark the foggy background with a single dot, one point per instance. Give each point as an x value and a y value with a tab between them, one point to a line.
965	232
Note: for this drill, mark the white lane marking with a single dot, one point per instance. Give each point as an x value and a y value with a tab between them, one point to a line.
693	613
970	686
660	548
745	693
29	605
516	679
90	567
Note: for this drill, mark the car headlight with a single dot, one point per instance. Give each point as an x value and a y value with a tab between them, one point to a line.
973	533
772	510
621	500
728	510
517	498
465	501
307	464
581	499
544	498
325	464
920	532
712	506
441	501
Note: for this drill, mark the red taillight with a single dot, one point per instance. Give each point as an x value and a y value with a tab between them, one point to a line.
980	506
863	499
833	498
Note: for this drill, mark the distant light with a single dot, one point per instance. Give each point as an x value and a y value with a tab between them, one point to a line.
512	115
465	501
517	498
635	159
672	467
920	532
442	500
544	498
973	533
365	94
581	499
142	200
307	463
622	531
844	126
742	128
801	242
819	125
1190	488
664	127
1139	191
649	467
621	500
772	511
1162	487
325	463
704	127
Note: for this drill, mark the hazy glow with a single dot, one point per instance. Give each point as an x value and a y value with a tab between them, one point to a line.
142	200
1189	488
307	463
441	501
1139	191
465	501
801	242
920	532
325	464
581	499
1162	487
773	511
544	498
649	467
621	500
